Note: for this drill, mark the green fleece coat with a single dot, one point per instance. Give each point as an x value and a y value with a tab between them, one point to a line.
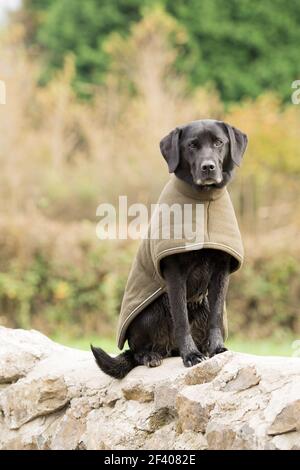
212	224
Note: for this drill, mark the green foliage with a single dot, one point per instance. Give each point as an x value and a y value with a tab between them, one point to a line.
264	296
80	27
243	47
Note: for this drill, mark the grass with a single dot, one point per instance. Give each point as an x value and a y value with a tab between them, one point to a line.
109	344
261	347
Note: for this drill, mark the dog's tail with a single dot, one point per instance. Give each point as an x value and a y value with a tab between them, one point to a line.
116	367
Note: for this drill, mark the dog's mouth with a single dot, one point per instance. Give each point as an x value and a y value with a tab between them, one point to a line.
208	181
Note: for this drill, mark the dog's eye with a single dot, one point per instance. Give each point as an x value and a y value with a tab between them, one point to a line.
192	145
218	143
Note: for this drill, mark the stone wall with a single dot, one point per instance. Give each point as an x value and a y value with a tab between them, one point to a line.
54	397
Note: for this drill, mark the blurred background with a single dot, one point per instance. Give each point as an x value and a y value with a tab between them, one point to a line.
92	86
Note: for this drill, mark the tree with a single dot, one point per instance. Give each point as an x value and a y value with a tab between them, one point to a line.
80	27
243	47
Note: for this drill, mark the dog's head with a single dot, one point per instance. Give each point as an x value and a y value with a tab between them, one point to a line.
204	153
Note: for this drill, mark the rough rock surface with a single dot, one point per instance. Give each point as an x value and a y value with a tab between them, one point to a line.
54	397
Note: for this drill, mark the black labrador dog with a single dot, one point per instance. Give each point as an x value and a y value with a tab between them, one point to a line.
203	154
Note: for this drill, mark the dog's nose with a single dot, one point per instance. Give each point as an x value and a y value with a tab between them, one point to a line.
208	166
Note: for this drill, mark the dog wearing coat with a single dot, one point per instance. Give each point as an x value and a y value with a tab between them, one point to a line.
174	299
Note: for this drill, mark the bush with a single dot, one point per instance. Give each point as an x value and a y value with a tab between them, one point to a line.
62	278
264	297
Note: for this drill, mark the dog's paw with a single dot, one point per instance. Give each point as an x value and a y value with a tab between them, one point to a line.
193	358
217	350
152	359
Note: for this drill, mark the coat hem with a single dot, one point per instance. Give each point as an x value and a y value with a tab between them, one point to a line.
134	313
189	247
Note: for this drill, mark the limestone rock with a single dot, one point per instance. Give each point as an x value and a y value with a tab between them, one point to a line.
208	370
194	408
244	378
28	399
138	391
19	351
284	409
53	397
290	441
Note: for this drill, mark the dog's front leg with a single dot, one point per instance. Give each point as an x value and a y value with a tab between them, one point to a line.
216	297
176	288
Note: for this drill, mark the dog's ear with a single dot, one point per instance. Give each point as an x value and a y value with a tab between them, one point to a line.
238	143
169	147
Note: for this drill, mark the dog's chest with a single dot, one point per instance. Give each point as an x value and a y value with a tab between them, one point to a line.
201	267
198	279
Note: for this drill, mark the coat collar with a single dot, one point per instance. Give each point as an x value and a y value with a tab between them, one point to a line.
201	195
